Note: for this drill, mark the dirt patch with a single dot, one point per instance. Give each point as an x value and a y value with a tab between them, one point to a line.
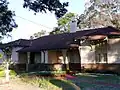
16	84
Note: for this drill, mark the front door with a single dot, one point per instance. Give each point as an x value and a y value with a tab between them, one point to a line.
32	58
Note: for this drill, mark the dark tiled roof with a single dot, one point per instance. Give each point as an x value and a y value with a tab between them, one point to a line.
63	41
17	43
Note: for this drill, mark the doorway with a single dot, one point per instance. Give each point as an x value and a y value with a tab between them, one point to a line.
32	58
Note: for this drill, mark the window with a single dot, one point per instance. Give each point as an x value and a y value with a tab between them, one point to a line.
101	52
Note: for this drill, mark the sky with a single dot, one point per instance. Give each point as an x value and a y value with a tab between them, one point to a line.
40	21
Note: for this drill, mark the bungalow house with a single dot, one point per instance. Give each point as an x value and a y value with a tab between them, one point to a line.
94	49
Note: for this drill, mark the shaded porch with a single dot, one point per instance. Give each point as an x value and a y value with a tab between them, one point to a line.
52	60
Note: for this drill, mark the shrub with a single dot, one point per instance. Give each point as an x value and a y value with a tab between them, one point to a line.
2	73
12	73
1	68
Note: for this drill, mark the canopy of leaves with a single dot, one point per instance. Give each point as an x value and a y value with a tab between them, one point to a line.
63	24
56	31
101	13
47	5
38	34
7	23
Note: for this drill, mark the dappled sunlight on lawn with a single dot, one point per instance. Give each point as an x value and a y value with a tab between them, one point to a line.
62	84
94	81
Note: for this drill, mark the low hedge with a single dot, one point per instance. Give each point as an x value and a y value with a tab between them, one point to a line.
47	73
12	73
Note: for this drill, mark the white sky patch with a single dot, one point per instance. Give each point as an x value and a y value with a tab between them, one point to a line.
26	29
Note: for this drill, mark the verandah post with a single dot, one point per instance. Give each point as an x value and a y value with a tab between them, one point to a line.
28	61
79	48
66	63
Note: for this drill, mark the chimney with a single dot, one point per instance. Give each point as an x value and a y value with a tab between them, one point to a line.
73	25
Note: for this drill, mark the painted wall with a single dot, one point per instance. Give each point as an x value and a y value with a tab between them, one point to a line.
52	57
114	50
87	54
14	55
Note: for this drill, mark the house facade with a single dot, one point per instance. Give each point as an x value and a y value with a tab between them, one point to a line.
103	57
95	49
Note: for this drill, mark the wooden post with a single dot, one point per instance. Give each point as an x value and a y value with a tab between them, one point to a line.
42	58
46	57
79	48
28	61
66	62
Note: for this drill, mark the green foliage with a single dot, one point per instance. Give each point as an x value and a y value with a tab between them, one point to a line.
7	23
12	73
10	62
47	5
7	52
63	24
65	19
1	55
2	73
101	13
59	73
38	34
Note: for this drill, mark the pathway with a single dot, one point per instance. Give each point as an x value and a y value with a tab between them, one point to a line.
16	85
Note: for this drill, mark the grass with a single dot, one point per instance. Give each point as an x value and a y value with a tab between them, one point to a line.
65	85
48	83
39	81
84	81
113	79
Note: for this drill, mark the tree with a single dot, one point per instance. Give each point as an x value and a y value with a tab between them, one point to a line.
101	13
7	23
7	61
56	30
63	24
47	5
38	34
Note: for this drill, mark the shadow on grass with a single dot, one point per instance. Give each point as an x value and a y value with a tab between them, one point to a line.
62	84
100	77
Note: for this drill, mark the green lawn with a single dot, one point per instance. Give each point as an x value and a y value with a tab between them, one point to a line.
113	79
84	81
48	83
62	84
